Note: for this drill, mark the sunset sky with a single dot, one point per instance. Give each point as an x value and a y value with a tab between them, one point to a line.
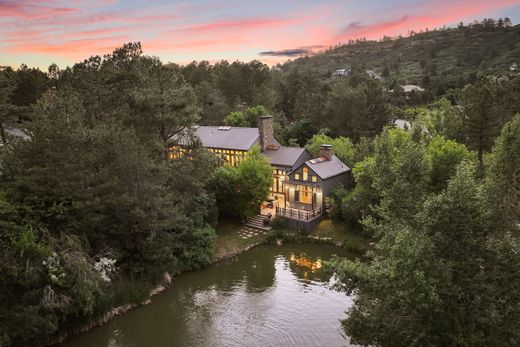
40	32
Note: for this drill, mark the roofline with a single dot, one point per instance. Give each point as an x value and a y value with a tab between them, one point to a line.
323	178
341	173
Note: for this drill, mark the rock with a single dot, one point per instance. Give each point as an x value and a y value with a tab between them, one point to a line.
167	278
157	290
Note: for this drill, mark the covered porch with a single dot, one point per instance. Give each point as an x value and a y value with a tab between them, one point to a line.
302	201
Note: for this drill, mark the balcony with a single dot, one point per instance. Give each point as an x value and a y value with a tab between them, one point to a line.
303	215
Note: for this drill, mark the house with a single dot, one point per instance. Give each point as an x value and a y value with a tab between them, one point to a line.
341	72
373	74
308	185
300	183
408	88
402	124
9	133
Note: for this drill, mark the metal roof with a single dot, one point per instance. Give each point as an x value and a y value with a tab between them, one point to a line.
228	137
327	168
284	156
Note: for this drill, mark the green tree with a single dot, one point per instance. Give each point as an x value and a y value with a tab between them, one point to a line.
237	119
443	157
253	113
246	118
390	183
355	110
7	86
503	177
240	190
163	103
442	119
443	281
480	116
343	147
295	134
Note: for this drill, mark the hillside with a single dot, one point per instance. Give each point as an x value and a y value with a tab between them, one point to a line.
457	55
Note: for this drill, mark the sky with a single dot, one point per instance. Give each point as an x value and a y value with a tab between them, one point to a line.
41	32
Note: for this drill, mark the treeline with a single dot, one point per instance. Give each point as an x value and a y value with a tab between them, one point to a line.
437	59
445	267
91	211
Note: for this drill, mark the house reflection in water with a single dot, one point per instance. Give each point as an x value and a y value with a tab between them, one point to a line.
306	267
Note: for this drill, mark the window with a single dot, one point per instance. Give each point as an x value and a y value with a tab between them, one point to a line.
315	179
304	194
305	174
297	177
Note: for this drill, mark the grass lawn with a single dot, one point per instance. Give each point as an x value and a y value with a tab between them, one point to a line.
229	241
340	231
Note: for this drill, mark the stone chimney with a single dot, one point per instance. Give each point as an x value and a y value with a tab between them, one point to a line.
265	128
326	151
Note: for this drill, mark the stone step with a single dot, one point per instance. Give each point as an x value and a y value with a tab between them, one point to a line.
257	222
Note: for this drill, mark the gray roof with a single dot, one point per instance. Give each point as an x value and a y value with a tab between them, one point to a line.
228	137
327	168
284	156
17	133
402	124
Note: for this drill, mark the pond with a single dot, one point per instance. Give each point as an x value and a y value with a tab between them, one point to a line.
267	296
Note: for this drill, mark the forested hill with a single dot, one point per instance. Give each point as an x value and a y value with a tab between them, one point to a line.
456	56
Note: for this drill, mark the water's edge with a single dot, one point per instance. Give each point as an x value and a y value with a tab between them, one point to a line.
161	287
120	310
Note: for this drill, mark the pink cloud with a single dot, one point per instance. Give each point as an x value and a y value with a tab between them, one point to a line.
74	48
32	10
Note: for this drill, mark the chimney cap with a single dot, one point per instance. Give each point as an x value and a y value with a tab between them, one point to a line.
267	116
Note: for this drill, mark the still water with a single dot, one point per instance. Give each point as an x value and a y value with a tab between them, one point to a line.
268	296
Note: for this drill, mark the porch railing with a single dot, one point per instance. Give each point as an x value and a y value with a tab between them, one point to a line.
298	214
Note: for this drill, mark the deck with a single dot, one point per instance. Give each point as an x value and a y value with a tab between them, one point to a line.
302	215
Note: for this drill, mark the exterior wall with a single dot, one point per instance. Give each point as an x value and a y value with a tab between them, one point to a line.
302	159
332	183
279	178
296	224
231	157
313	182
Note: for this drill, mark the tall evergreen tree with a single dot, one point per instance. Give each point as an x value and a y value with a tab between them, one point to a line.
481	120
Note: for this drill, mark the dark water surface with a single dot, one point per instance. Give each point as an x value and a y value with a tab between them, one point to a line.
268	296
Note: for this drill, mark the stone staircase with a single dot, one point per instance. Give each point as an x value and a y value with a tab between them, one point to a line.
257	222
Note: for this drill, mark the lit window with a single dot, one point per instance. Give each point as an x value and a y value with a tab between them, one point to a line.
315	178
297	177
305	174
304	195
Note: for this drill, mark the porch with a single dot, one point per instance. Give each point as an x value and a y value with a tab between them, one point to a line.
298	214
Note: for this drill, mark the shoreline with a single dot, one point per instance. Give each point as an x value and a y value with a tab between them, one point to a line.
167	280
159	288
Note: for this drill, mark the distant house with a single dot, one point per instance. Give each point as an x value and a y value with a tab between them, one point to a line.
300	183
402	124
373	74
408	88
341	72
12	134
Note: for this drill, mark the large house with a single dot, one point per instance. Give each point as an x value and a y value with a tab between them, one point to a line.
300	183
